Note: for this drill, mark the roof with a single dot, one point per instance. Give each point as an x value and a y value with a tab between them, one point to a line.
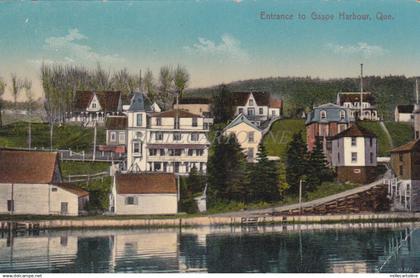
140	103
408	147
355	97
276	103
116	122
261	98
193	100
20	166
241	118
355	131
405	108
145	183
177	146
73	189
109	100
173	113
333	114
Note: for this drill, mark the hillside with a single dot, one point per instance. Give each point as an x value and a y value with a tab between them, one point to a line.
303	93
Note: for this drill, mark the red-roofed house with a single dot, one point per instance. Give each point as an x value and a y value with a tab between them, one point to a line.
30	183
144	193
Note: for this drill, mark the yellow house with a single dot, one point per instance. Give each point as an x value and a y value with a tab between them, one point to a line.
248	135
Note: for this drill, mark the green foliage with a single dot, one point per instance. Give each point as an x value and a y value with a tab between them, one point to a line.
401	133
222	105
64	137
191	187
263	182
296	162
317	170
83	168
98	194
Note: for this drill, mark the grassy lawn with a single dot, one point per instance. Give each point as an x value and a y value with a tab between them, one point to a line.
64	137
324	190
383	142
401	133
281	134
83	168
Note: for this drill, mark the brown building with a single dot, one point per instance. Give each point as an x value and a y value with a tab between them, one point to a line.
405	163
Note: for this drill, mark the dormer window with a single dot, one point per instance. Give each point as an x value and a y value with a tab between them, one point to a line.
342	115
139	120
93	105
323	115
251	102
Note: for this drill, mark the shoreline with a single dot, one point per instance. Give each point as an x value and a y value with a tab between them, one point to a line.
209	221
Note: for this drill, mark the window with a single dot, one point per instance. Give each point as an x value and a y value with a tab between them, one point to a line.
357	171
54	189
190	152
250	154
417	134
371	141
139	120
158	136
194	121
401	157
251	137
113	136
122	138
401	170
273	112
136	147
157	166
353	141
130	200
323	115
194	136
199	152
174	152
353	157
158	121
251	111
338	157
176	123
93	105
152	152
162	152
240	110
261	110
63	240
371	157
177	136
251	102
10	205
176	167
342	115
64	208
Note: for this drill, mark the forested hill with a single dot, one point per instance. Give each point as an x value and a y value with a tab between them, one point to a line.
303	93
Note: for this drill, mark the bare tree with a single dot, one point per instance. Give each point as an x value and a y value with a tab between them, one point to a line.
181	78
2	89
165	86
27	86
150	85
17	85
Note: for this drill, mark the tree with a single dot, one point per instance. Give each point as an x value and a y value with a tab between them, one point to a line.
165	87
27	86
295	162
17	85
149	85
196	181
181	78
222	105
264	183
317	169
2	89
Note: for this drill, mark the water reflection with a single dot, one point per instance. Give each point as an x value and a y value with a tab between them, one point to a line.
298	248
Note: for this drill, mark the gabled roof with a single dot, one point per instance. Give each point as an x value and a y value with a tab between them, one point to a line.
405	108
355	97
276	103
140	103
174	112
109	100
408	147
145	183
333	114
20	166
73	189
116	123
355	131
261	98
241	118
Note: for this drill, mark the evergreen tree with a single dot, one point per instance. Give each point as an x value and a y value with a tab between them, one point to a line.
195	181
295	162
317	170
264	183
222	105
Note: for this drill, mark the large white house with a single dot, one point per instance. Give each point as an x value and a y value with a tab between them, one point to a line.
172	141
359	103
247	134
354	155
257	106
404	113
30	183
144	193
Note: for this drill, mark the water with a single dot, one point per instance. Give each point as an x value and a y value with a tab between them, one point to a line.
298	248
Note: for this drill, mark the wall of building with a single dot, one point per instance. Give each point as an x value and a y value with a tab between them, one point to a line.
241	132
120	137
37	199
147	204
197	109
356	174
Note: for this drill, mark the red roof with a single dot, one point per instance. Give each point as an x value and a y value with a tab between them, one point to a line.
34	167
355	131
408	147
146	183
116	123
108	100
276	103
74	189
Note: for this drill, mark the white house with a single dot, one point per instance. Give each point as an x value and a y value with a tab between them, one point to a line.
359	103
30	183
354	155
404	113
248	135
257	106
144	193
116	135
172	141
198	106
92	107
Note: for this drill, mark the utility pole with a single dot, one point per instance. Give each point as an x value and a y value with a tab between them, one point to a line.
30	126
51	134
361	91
300	197
94	141
417	92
